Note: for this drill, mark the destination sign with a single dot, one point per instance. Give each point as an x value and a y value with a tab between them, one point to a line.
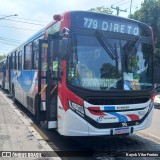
108	24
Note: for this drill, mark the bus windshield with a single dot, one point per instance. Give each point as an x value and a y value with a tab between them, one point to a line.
101	63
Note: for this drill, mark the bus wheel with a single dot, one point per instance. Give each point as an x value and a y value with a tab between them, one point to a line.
13	95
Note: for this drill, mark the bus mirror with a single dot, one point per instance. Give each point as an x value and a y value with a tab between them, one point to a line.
63	47
55	66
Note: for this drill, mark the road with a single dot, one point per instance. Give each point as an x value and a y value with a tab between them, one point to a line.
98	148
154	129
101	146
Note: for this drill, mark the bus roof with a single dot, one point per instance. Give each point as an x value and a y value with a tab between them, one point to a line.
73	14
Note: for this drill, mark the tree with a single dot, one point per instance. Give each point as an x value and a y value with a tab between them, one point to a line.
149	13
102	9
2	57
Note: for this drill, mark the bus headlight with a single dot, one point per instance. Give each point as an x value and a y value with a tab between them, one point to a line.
76	108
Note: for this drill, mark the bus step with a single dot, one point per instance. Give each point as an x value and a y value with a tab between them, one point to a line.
49	125
52	124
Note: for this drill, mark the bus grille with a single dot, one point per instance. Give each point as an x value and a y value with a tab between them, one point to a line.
116	101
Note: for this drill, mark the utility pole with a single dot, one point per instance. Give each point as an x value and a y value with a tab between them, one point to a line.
131	8
118	9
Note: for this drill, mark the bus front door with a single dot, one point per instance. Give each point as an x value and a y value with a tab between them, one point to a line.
47	86
41	108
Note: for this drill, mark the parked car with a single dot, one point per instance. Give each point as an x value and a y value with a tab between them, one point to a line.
157	97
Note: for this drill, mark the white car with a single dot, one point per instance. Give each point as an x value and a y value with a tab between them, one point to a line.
157	97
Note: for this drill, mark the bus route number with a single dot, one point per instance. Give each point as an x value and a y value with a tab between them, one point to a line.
90	23
111	26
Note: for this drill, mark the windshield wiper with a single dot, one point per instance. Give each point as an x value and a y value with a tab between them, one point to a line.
135	47
106	45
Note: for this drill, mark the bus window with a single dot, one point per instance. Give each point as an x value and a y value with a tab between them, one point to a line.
44	57
35	57
13	61
16	60
19	60
28	57
35	54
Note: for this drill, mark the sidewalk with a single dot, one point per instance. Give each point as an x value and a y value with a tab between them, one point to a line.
16	133
154	130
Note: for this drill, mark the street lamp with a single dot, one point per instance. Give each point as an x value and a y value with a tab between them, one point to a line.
9	16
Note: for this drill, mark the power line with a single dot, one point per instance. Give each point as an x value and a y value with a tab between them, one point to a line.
8	16
117	2
9	39
125	3
29	19
118	9
24	22
8	43
46	22
18	28
135	6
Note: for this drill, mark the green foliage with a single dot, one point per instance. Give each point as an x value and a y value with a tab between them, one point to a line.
102	9
149	13
2	57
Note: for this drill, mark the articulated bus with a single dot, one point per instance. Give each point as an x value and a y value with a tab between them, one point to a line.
86	74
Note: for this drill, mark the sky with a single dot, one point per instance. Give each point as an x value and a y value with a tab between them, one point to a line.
34	15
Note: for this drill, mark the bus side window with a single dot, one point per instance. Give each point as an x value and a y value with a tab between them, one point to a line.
19	60
13	61
35	57
54	62
28	57
16	60
35	54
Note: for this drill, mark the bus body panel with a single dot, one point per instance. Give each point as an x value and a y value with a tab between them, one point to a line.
75	115
71	124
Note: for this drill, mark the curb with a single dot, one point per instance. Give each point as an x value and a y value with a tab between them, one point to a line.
36	135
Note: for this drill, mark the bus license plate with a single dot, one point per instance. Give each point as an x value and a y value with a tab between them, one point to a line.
121	131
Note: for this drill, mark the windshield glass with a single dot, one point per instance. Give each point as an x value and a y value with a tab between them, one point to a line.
92	65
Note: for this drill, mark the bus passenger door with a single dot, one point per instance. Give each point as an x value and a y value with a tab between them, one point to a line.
52	80
47	85
41	105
